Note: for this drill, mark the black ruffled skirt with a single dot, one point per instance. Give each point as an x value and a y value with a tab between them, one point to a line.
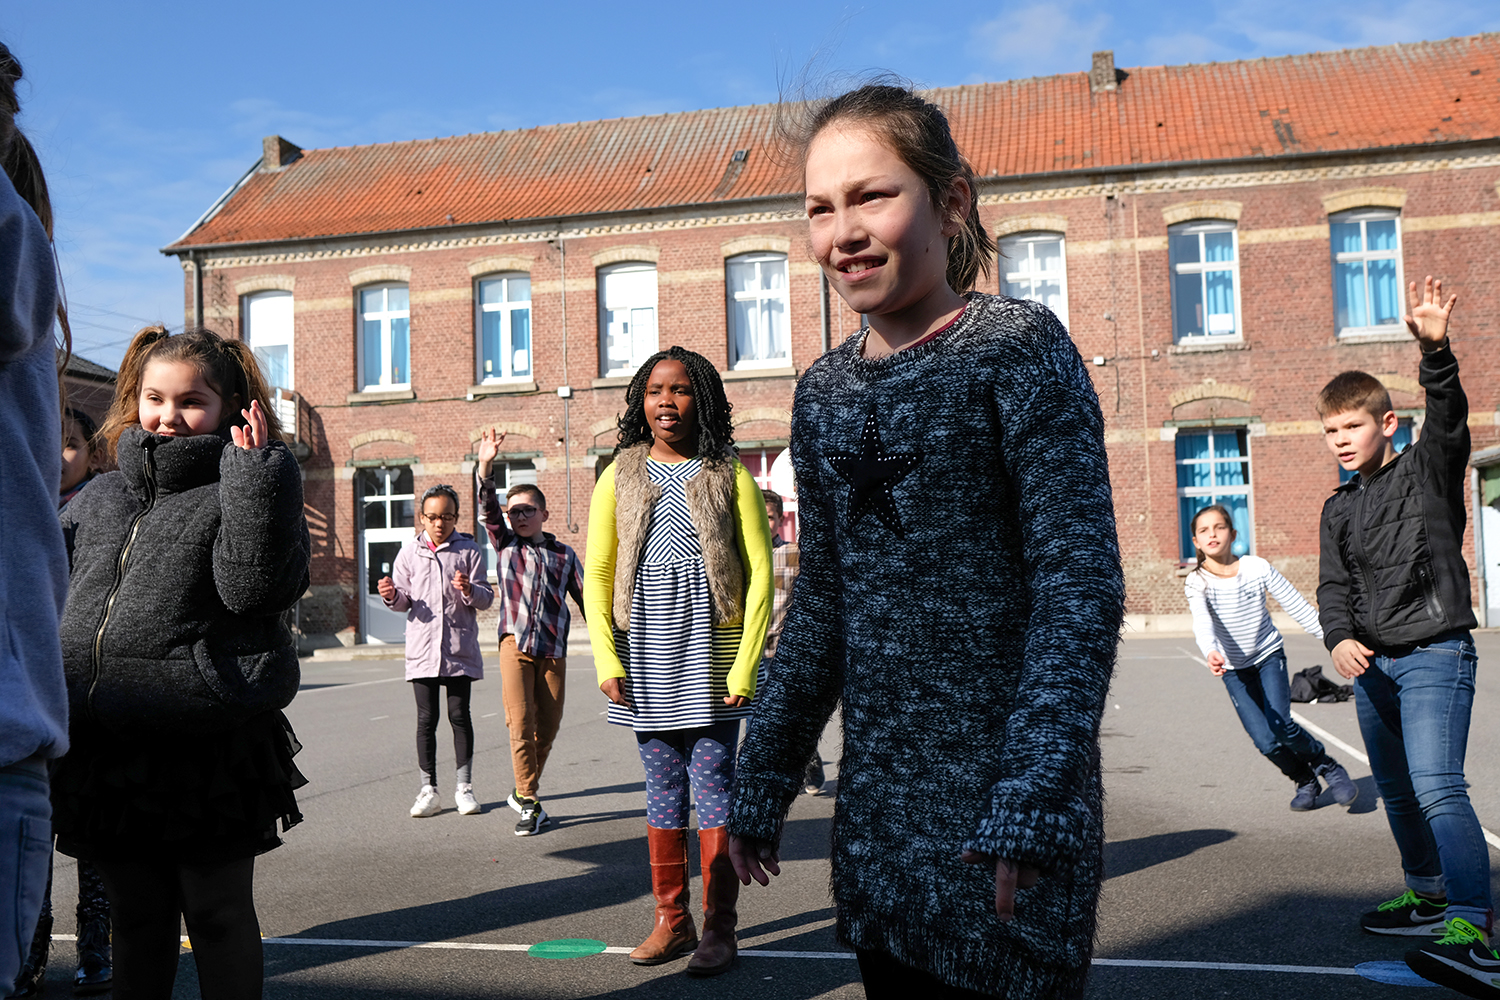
188	800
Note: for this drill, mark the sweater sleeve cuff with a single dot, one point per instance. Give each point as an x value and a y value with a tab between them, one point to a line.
1335	636
759	806
1051	840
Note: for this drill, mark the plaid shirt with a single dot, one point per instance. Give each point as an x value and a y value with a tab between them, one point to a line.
784	564
533	579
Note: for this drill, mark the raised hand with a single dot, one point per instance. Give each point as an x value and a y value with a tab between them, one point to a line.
461	583
1428	316
489	446
255	433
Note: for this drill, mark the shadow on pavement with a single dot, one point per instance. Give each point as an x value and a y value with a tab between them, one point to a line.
1121	857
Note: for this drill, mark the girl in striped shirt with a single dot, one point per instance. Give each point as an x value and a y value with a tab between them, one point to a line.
1227	595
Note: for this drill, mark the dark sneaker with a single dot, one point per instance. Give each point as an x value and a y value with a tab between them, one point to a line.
533	818
812	780
1307	796
1461	960
1344	790
1408	915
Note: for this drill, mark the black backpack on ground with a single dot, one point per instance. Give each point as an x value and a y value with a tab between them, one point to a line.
1311	685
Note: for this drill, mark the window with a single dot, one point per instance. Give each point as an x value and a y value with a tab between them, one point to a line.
266	322
757	294
1213	466
1401	440
1204	258
1366	245
506	475
627	317
1034	268
504	323
385	337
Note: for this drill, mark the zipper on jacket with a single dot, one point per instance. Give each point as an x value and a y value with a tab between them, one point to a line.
1372	619
149	445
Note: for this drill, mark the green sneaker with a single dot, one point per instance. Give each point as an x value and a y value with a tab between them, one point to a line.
1408	915
1461	960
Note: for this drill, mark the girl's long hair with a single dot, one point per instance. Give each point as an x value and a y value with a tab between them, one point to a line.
1213	508
917	131
228	366
715	431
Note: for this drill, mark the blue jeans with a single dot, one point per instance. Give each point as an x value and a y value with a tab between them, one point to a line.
1414	714
1262	696
25	850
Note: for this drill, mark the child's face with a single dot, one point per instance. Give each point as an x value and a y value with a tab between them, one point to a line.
176	400
670	411
76	456
526	514
1360	440
873	227
774	516
439	517
1214	536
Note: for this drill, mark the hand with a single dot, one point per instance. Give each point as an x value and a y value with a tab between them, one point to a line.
1428	318
387	589
753	859
255	433
1351	658
736	700
614	690
461	583
1216	663
489	446
1009	877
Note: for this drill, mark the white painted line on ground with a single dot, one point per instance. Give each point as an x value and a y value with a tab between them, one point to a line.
491	715
1328	737
1142	963
345	687
377	718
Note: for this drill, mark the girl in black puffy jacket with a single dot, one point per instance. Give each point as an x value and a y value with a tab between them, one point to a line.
179	660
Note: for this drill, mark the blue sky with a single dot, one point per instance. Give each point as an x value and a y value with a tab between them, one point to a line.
144	113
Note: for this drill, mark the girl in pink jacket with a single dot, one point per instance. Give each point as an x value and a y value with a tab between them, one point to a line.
439	581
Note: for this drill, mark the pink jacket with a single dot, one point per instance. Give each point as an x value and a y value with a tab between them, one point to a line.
442	632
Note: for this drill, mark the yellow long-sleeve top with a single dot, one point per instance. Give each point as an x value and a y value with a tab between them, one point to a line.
752	539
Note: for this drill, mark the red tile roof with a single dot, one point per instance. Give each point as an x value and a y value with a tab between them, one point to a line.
1356	99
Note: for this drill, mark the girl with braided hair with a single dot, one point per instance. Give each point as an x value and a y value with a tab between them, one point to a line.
677	593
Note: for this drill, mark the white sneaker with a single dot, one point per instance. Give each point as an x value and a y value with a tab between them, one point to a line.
427	803
464	799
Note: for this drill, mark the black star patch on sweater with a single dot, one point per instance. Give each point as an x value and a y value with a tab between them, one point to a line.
870	473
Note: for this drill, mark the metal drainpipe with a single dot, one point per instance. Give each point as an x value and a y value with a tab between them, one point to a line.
197	288
562	251
823	306
1476	494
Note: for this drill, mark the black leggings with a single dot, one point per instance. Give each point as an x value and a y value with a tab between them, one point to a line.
148	902
426	690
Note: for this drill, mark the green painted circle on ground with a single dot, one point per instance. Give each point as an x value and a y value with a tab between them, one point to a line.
566	948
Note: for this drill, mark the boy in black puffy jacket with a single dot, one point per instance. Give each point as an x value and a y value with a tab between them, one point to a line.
1394	602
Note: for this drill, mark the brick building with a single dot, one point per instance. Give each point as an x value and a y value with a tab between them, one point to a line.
1220	240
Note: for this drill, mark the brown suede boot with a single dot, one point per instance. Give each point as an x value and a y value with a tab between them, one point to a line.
673	935
721	890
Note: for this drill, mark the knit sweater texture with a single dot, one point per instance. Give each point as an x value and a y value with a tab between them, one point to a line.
961	595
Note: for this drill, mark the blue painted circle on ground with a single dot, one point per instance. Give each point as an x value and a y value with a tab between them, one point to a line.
1392	973
566	948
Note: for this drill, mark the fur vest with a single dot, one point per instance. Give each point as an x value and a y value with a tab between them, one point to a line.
710	499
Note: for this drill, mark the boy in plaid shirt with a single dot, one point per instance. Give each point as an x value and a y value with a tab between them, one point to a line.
534	574
784	565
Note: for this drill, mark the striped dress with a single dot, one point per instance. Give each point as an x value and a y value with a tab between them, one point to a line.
676	661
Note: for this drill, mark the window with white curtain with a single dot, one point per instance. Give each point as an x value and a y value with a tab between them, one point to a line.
384	337
503	319
756	288
627	317
1034	267
1366	246
266	327
1205	263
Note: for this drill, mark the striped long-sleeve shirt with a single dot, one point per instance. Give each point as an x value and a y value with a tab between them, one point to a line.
1230	614
533	580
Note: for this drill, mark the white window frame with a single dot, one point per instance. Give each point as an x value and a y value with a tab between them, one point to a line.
259	335
1200	228
385	317
759	295
1205	493
507	310
1362	216
637	357
1023	243
505	474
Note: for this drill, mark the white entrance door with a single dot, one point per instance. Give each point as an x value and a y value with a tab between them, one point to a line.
386	502
1489	533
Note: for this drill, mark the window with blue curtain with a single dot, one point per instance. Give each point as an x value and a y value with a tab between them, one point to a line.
385	337
1204	261
1366	247
1213	466
1401	440
504	320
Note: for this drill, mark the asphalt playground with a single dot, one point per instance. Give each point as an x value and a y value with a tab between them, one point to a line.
1214	888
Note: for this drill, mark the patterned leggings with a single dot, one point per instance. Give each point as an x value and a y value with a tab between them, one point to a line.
674	758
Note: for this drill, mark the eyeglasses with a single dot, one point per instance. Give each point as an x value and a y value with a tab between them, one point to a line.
435	518
521	511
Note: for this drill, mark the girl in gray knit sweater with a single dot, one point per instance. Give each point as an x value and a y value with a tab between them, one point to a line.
960	592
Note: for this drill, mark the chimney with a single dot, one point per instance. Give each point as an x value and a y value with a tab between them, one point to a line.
1101	76
276	152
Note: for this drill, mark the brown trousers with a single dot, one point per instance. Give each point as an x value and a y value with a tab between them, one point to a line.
532	687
